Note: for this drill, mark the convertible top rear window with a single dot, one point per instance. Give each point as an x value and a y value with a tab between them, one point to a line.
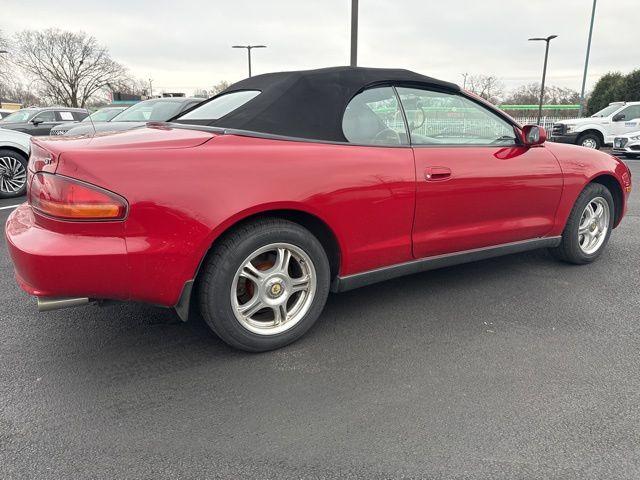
220	106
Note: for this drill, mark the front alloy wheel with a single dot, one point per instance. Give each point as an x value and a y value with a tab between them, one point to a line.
594	225
589	226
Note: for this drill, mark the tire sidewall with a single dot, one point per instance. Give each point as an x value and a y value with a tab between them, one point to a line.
225	324
23	160
571	231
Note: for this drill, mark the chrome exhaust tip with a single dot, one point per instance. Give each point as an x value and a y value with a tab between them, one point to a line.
48	304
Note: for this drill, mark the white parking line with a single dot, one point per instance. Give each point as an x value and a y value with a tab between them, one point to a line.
10	206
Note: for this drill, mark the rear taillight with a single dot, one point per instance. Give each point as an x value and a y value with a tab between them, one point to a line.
69	199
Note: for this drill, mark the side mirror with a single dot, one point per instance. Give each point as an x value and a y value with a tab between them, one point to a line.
534	135
36	122
619	117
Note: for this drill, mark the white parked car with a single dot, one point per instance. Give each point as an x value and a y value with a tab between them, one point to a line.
14	154
627	145
619	118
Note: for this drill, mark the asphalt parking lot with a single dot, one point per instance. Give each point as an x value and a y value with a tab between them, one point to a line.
517	367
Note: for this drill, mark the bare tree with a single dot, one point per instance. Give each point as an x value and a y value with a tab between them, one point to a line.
16	91
486	86
216	89
4	62
530	95
219	87
69	68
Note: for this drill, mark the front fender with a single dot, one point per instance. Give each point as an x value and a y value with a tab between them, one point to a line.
580	166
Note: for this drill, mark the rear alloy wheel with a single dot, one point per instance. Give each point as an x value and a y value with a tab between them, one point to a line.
590	140
13	174
264	285
589	226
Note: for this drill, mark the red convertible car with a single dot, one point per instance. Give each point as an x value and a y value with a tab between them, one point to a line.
252	206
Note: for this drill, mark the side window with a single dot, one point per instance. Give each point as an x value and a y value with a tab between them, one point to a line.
46	116
65	116
631	113
437	118
373	117
79	116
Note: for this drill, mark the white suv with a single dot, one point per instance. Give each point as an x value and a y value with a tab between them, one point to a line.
619	118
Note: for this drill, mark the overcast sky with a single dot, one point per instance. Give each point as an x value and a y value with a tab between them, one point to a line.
185	44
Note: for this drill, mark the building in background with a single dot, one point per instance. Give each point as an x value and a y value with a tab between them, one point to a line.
6	104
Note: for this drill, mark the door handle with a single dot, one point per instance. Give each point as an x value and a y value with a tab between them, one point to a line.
434	174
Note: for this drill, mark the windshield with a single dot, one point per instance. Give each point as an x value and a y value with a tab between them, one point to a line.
149	111
606	111
220	106
19	116
103	115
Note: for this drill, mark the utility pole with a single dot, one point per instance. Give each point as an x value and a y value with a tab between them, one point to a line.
150	88
354	33
544	69
586	60
249	48
464	81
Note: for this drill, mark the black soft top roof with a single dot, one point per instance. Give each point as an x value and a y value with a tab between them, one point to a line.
310	103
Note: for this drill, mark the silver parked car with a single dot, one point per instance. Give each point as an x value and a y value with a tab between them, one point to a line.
14	154
105	114
153	110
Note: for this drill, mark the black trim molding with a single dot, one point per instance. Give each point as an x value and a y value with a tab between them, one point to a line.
343	284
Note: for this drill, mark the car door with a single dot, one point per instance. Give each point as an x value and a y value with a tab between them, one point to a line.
477	185
626	121
42	123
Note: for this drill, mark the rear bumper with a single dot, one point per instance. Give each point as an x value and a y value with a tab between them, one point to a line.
50	264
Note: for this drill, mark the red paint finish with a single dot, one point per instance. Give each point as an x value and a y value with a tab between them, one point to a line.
492	195
184	188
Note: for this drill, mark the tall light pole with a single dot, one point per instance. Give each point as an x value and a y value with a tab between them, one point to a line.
586	60
354	33
249	48
544	69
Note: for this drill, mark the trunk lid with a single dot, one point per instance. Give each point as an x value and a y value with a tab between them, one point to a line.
149	137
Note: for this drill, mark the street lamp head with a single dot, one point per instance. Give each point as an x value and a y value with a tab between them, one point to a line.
4	51
543	39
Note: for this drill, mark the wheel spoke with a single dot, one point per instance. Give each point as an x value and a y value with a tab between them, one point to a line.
300	284
252	273
599	211
252	307
279	314
282	260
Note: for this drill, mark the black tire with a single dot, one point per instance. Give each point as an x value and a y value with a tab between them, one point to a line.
217	276
569	249
590	136
22	159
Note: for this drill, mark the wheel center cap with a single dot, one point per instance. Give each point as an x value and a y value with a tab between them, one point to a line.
275	289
